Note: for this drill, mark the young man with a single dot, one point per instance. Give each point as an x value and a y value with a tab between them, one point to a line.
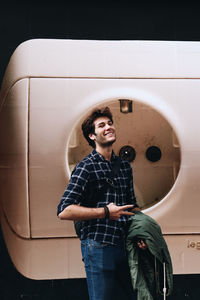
104	214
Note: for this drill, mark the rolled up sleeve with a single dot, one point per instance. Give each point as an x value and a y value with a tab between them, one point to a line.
74	192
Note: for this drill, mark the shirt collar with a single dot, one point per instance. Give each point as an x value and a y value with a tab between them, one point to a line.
98	157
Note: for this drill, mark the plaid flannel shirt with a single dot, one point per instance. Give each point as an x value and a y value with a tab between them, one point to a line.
87	178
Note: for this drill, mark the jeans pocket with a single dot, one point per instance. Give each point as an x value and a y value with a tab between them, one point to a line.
98	245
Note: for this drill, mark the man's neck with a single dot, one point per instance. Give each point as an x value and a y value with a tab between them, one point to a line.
105	152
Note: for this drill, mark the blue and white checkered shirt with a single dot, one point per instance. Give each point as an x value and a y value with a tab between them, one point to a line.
87	178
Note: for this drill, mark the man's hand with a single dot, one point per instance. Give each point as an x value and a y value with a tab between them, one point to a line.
142	245
117	211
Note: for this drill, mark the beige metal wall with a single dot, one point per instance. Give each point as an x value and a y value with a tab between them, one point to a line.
41	110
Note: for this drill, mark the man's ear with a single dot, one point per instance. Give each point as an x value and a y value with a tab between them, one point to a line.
92	136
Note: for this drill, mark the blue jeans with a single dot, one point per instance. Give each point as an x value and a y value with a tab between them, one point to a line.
107	271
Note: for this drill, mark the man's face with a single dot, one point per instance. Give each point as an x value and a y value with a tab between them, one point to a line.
104	134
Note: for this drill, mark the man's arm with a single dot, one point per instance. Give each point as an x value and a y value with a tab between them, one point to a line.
73	194
80	213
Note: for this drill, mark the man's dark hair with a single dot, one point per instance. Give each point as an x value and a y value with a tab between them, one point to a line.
88	124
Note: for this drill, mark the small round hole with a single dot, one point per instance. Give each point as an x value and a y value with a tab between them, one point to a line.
153	154
127	153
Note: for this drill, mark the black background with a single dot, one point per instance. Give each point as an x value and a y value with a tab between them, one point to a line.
112	20
94	20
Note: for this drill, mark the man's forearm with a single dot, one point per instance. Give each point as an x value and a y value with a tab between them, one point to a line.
80	213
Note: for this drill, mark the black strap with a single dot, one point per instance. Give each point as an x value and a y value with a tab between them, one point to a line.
114	171
108	181
116	166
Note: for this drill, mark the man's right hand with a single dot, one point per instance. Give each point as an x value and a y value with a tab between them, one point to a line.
117	211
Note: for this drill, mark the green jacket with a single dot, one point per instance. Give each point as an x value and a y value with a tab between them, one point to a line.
146	278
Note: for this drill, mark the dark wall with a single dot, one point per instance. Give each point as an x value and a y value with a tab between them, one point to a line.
127	20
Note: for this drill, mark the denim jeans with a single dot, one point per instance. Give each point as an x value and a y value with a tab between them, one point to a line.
107	271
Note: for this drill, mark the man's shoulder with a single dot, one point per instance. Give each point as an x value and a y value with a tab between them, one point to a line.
86	162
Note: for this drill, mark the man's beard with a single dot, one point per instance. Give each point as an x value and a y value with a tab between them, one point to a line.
107	144
102	143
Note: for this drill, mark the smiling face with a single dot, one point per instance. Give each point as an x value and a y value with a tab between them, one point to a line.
104	133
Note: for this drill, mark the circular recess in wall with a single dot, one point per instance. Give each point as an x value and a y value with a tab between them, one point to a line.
127	153
155	157
153	154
